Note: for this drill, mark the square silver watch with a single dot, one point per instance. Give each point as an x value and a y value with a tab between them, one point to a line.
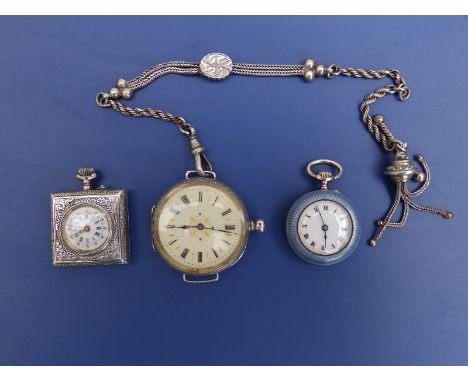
90	226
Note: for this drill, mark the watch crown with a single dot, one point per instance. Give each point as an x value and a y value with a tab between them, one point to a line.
86	175
257	225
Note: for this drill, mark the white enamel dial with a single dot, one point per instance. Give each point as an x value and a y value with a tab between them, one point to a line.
86	228
325	227
200	227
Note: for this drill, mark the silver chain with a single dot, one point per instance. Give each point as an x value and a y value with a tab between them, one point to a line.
379	131
218	66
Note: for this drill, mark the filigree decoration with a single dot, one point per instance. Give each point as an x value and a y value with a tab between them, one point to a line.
114	202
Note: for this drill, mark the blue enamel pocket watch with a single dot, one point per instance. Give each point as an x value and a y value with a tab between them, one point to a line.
322	226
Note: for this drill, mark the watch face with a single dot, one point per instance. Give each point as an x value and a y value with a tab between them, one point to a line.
86	228
325	227
200	226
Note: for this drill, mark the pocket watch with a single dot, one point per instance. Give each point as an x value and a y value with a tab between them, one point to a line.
200	226
322	226
89	227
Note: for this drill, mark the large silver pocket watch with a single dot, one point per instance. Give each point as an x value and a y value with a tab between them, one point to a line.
200	226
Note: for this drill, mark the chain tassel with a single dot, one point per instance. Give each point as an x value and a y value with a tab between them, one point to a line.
400	171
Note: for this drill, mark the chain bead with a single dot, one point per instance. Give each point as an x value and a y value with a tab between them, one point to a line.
378	119
121	83
420	177
309	64
115	93
320	70
127	93
308	75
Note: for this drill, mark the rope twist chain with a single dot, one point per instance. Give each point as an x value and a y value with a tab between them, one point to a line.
379	129
146	112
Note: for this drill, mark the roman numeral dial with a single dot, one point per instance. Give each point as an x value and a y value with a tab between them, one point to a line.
325	227
86	228
199	226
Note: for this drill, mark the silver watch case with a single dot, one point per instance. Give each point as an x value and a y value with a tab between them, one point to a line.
114	202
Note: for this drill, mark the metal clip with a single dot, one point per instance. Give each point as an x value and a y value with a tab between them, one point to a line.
202	164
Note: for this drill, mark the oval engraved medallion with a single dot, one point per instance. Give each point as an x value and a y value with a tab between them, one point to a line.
216	66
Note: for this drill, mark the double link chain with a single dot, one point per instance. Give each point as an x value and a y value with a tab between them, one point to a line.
222	66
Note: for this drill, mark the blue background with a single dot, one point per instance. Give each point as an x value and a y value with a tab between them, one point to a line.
403	302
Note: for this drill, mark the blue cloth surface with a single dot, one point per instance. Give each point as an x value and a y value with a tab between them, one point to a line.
403	302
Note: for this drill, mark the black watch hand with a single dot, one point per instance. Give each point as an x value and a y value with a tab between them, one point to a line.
222	230
182	226
201	227
324	229
321	217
